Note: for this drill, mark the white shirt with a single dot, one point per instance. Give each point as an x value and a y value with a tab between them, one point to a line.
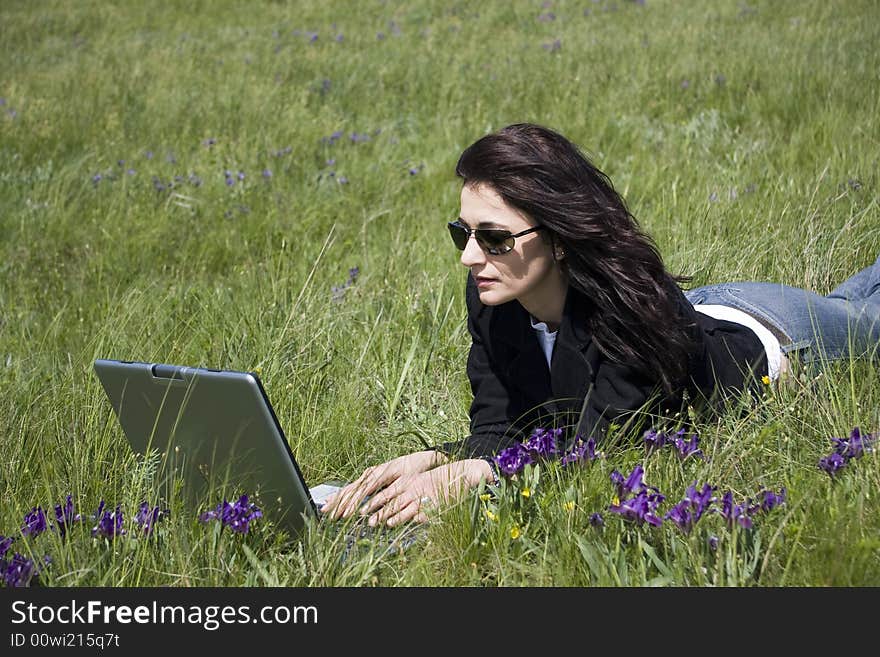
771	344
546	337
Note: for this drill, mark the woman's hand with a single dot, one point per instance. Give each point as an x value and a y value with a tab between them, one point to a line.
403	488
348	499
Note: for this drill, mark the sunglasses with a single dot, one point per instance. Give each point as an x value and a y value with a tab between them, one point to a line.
494	241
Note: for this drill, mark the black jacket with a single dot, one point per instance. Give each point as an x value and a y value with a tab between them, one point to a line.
514	391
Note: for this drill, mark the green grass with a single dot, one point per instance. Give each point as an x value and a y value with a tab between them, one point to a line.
744	137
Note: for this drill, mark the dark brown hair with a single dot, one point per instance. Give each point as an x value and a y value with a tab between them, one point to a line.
608	258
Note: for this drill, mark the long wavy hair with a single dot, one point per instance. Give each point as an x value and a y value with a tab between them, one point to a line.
608	258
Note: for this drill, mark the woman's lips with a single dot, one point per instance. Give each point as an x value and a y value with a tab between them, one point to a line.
484	282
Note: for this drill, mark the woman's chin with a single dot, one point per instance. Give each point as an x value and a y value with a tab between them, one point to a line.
493	297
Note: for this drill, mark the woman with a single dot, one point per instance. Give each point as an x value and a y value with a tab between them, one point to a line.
574	318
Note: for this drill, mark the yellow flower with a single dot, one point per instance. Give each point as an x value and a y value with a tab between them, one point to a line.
514	532
485	497
526	492
490	515
568	506
615	500
765	380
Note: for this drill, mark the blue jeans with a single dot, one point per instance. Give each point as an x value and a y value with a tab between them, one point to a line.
841	325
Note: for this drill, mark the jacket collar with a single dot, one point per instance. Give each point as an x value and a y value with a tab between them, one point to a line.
513	325
570	371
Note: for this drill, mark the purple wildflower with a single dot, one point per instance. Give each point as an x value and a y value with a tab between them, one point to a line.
146	518
20	571
512	460
855	446
267	173
97	178
632	484
713	543
832	463
34	522
237	516
342	180
687	447
596	520
686	513
582	450
640	509
654	439
108	524
65	516
735	513
770	500
543	443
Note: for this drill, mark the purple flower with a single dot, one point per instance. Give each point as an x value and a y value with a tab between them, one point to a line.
686	513
65	516
582	450
770	500
855	446
108	524
267	173
237	516
20	571
146	518
596	520
632	484
832	463
34	522
713	543
5	544
654	439
687	447
542	443
735	513
553	46
209	142
97	178
512	460
342	180
640	509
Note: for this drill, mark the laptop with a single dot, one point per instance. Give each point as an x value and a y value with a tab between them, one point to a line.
214	430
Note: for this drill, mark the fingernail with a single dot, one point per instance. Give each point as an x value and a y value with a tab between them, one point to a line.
372	521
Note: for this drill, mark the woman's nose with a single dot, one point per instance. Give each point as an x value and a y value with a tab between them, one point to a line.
472	253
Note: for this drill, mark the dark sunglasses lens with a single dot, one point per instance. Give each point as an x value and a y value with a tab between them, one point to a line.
459	235
495	241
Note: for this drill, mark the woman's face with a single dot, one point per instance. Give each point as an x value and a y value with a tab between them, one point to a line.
528	273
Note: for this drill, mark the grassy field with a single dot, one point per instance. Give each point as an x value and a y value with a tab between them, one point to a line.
193	184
